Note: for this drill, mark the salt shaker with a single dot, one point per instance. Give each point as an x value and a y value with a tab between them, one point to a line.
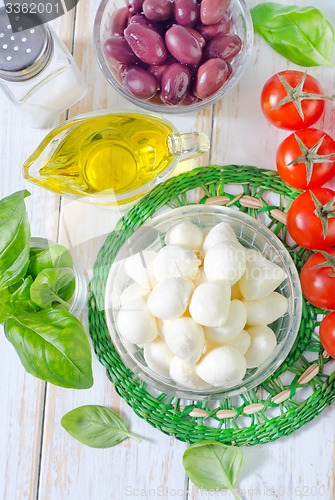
37	72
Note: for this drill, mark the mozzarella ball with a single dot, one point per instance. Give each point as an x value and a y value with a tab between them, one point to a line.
241	342
185	375
170	298
187	234
261	276
139	267
133	291
263	343
210	303
265	311
235	323
186	339
224	366
225	261
158	356
218	233
174	261
162	325
135	323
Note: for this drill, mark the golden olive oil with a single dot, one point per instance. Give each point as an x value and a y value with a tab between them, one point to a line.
113	153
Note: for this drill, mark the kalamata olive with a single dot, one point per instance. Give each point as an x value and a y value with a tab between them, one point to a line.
183	45
158	71
211	76
134	6
186	12
157	10
190	99
212	11
225	46
139	82
117	48
175	83
146	43
118	22
198	36
141	19
211	30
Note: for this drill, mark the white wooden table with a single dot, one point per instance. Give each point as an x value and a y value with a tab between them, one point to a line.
38	459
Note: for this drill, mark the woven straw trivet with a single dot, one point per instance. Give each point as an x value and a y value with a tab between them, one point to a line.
295	394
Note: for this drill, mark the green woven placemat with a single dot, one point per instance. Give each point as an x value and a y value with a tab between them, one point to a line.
296	393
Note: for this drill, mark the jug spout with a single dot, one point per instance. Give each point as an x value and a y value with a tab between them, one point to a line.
191	144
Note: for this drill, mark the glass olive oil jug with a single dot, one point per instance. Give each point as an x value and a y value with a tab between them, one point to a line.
110	157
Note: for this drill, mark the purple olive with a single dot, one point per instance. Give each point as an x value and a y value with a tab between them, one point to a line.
175	83
212	11
211	76
141	19
157	10
211	30
186	12
158	71
225	46
117	48
139	82
198	36
118	22
190	99
146	43
183	45
134	6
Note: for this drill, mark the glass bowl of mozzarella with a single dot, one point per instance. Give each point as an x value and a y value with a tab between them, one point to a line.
203	302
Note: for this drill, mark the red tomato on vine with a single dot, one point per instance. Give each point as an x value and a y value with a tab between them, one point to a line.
306	159
318	279
311	219
286	100
327	333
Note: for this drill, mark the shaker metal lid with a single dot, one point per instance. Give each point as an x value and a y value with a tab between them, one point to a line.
22	54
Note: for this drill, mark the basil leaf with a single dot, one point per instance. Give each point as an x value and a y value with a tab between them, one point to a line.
6	308
96	426
211	465
53	346
35	250
53	257
302	35
53	286
15	238
20	297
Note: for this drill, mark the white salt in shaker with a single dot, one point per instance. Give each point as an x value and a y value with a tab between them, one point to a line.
37	72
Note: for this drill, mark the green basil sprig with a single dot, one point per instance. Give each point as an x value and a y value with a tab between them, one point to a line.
302	35
211	465
53	286
96	426
14	240
52	345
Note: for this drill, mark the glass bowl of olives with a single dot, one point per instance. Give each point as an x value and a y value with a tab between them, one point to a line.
173	56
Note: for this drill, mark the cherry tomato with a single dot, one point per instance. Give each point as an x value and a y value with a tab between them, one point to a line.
327	333
318	283
320	172
305	226
286	115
